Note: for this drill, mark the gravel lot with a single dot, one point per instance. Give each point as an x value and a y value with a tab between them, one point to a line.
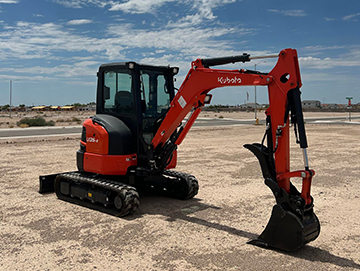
209	232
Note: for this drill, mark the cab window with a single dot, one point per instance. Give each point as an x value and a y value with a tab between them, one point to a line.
117	90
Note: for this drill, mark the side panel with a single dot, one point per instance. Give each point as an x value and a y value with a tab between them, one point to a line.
97	138
108	164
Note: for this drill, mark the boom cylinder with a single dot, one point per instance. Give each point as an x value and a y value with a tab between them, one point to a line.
207	62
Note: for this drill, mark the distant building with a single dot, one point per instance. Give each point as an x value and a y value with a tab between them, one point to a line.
251	105
39	108
342	105
311	104
89	107
330	106
68	108
55	108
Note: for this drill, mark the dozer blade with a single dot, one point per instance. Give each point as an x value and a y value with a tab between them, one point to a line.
286	231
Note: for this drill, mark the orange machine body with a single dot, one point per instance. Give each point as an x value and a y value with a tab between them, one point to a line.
97	158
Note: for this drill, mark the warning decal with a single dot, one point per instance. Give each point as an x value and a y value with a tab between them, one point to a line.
182	101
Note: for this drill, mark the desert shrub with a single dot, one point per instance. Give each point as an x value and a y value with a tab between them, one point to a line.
73	119
36	121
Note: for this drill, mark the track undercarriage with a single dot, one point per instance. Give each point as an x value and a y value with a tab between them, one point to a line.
116	197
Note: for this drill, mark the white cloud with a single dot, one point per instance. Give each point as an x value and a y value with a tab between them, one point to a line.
323	48
203	9
291	12
81	3
351	17
75	70
9	1
138	6
31	40
28	40
188	41
174	43
329	19
349	59
327	62
79	21
187	21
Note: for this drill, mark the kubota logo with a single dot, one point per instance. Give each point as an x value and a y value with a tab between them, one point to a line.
227	80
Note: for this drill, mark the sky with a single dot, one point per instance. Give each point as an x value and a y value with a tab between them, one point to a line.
50	50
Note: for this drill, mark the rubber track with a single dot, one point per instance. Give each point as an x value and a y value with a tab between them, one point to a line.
128	194
191	185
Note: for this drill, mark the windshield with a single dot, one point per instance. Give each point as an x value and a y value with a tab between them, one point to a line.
154	93
155	99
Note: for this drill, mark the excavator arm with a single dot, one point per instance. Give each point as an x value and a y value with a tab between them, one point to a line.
293	222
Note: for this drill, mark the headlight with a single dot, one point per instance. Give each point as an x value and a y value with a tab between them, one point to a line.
131	65
175	70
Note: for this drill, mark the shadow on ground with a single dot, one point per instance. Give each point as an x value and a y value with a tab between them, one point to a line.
181	210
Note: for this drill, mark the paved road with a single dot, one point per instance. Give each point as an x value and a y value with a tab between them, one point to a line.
39	132
201	122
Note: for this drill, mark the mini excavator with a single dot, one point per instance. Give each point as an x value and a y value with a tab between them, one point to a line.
131	142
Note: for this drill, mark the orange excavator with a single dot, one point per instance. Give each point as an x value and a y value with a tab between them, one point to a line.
131	142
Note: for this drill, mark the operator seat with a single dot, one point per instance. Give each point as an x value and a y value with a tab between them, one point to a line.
124	102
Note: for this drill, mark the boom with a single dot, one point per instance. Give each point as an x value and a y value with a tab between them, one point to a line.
283	78
284	84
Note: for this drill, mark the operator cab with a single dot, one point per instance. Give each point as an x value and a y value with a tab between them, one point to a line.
136	95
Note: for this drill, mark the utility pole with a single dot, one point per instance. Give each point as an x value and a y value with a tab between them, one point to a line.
11	93
10	96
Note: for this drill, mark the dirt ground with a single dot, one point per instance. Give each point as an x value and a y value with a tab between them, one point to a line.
209	232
